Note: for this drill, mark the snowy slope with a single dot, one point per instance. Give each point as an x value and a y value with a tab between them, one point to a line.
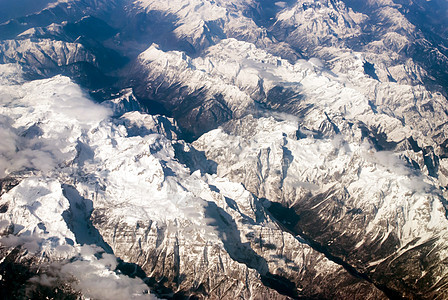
145	206
43	54
365	206
318	169
36	146
199	23
352	104
244	75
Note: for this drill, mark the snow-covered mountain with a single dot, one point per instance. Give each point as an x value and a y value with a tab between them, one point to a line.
146	205
215	149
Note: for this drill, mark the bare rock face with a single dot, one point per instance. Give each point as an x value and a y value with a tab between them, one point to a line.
123	102
335	202
200	235
184	233
255	262
43	54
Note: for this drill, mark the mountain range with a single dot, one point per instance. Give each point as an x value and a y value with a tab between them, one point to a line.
208	149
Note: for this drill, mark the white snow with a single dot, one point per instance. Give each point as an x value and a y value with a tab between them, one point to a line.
132	179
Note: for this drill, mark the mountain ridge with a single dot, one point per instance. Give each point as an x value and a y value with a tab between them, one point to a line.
292	150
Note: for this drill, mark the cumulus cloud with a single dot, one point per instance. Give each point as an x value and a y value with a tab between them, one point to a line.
281	4
93	273
391	161
8	141
316	62
96	277
87	269
392	164
19	151
30	243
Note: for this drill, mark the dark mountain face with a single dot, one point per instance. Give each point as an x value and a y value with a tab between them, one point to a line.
216	149
428	46
10	10
430	16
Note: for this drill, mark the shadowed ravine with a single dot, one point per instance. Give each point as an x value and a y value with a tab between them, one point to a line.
243	253
287	218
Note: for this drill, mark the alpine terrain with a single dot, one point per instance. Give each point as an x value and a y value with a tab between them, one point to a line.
213	149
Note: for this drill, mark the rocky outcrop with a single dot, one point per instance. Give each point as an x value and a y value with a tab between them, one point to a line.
339	200
319	163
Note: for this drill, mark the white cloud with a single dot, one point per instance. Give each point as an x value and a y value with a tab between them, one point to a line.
41	120
30	243
93	273
40	124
